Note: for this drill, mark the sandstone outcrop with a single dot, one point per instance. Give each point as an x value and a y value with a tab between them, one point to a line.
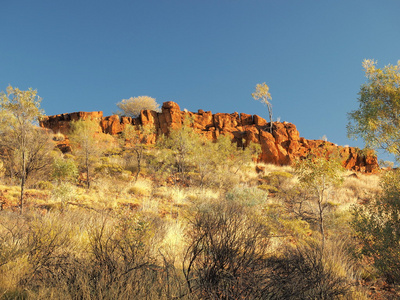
282	147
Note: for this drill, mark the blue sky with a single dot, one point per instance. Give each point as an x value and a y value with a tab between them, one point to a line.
88	55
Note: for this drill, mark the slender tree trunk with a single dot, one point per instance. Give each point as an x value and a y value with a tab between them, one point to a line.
270	116
139	154
321	216
23	177
87	171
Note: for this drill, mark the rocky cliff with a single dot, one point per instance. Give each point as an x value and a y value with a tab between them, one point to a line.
281	147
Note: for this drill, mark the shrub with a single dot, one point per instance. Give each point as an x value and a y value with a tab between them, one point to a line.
277	178
248	196
74	256
64	192
65	170
225	258
268	188
44	185
58	137
310	272
140	188
319	175
377	225
109	169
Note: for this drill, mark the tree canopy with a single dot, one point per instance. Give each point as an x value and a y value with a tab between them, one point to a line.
133	106
377	119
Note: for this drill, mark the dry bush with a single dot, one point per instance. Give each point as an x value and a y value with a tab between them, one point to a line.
226	253
141	187
86	256
312	272
58	137
248	196
13	252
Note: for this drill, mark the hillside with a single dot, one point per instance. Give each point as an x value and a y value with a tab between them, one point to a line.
188	217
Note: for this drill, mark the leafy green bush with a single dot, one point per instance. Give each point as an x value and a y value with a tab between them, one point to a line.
277	178
65	170
109	169
268	188
248	196
377	226
63	193
44	185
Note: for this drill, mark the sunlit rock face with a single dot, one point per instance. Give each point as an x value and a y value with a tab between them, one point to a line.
282	147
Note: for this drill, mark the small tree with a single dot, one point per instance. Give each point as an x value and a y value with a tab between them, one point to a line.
24	145
319	175
230	159
133	106
262	94
86	145
134	139
377	120
179	148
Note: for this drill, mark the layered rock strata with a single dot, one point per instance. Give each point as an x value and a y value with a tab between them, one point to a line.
282	147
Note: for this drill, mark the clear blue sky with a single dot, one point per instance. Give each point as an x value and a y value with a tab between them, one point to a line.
89	55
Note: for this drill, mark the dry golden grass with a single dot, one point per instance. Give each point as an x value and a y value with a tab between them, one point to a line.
174	205
356	190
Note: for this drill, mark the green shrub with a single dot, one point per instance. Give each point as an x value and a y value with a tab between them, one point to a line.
44	185
377	226
249	196
63	193
109	169
268	188
65	170
277	178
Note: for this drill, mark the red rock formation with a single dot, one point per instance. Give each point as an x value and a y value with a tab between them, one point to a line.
281	147
61	123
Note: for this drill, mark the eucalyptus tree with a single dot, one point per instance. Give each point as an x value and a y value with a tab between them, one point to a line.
86	140
134	105
262	94
377	119
24	145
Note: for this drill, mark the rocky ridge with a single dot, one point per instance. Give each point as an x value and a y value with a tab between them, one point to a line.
282	147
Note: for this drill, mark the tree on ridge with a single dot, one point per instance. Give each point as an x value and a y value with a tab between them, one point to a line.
133	106
262	94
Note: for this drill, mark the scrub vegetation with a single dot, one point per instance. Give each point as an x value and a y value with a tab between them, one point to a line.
189	218
191	225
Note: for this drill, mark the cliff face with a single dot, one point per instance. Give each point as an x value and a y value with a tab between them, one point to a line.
281	147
